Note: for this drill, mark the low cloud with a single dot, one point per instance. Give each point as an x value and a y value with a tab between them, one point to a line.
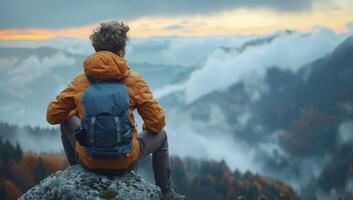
288	51
6	63
178	51
75	46
345	132
211	139
20	77
35	140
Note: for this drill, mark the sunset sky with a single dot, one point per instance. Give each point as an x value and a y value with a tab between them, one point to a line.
38	19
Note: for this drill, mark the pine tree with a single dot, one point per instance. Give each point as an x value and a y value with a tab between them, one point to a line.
40	170
18	152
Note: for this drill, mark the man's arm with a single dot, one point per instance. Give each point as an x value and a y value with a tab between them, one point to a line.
148	107
59	109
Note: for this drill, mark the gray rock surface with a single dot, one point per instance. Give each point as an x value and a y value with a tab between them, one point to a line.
77	183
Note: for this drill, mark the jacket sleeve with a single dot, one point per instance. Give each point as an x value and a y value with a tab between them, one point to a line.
59	109
148	107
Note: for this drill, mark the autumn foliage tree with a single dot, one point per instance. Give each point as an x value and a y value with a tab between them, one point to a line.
20	171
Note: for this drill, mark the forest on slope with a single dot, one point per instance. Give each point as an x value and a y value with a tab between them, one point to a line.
199	179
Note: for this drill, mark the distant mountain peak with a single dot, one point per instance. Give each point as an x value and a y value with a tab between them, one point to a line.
258	41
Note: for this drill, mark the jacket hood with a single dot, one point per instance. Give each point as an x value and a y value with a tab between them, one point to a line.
105	65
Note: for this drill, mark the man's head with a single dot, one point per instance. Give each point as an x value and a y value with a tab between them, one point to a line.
110	36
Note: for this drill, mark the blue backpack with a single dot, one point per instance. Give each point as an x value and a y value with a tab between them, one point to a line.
106	131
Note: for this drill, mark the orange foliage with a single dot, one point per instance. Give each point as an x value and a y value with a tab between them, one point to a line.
25	167
12	190
54	162
310	116
227	182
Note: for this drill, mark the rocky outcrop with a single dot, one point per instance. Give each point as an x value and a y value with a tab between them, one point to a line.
77	183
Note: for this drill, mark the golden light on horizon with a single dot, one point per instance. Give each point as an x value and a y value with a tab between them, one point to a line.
240	21
40	34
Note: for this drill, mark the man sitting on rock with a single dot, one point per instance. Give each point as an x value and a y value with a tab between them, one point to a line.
96	114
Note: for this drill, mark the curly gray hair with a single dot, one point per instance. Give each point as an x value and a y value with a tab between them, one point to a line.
110	36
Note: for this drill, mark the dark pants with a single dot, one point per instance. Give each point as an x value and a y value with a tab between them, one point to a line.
155	143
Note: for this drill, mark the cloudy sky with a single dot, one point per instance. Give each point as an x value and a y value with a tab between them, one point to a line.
41	19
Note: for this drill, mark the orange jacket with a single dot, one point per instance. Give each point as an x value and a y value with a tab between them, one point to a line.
107	65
